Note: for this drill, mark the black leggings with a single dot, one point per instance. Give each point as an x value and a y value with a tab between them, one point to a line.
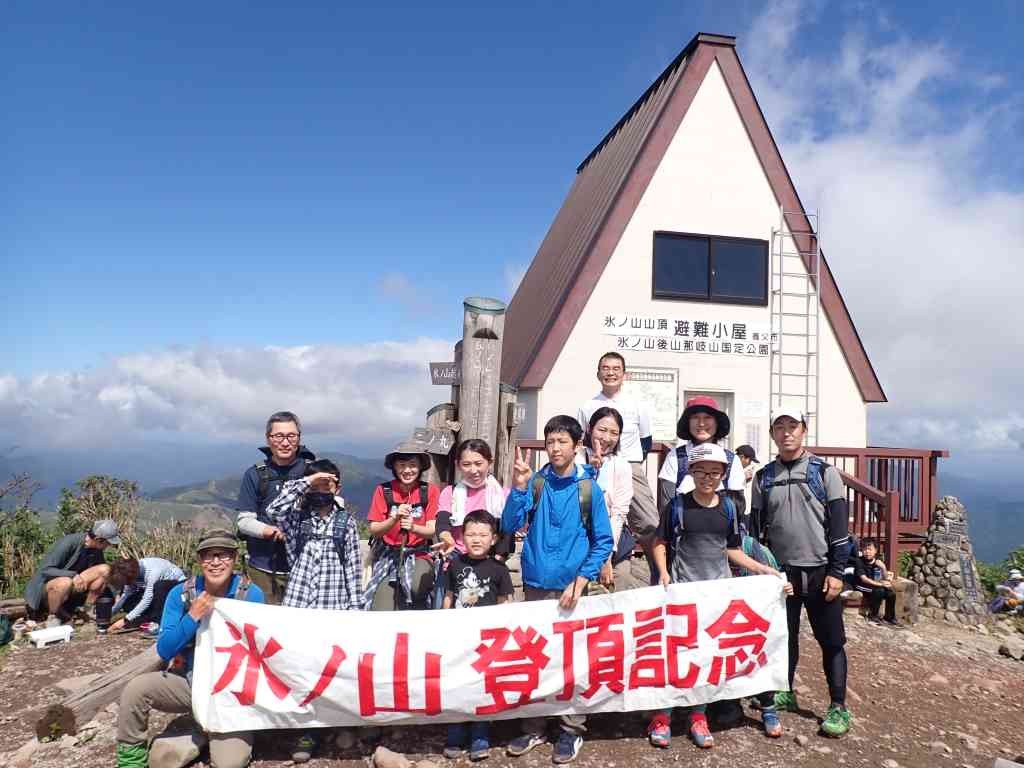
875	598
826	622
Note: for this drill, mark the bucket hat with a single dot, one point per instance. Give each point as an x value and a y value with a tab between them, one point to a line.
702	404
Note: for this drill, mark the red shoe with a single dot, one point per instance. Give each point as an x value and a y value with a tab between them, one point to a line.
699	731
660	731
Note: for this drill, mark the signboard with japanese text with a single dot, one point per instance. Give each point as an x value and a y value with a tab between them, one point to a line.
445	373
260	666
658	389
647	333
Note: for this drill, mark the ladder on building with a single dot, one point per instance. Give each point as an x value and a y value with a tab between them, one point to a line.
795	302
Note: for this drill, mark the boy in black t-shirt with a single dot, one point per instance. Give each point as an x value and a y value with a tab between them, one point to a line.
696	540
875	582
473	580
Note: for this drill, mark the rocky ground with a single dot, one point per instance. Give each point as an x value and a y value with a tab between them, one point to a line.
932	695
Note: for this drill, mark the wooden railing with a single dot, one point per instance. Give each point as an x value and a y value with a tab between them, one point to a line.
877	481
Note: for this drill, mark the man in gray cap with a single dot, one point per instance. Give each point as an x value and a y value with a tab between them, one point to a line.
73	572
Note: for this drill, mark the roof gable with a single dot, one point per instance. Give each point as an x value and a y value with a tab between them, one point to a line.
607	189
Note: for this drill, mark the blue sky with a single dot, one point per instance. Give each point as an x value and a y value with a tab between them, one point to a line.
185	186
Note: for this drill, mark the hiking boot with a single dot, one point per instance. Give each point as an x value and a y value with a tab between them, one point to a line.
699	731
455	744
567	747
303	749
836	722
786	701
132	755
520	745
659	732
771	722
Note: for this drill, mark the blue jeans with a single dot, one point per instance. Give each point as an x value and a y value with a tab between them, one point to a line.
459	734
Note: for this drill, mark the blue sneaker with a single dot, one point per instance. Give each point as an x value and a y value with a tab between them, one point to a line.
567	747
520	745
771	722
455	744
479	742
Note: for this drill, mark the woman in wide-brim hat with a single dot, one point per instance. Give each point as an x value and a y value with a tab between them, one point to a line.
402	517
702	421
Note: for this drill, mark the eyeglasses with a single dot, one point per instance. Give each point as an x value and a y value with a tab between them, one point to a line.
700	474
280	437
210	556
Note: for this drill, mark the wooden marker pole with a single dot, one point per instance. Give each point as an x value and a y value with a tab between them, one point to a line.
506	439
483	326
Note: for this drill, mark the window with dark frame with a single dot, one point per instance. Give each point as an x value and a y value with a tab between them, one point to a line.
728	270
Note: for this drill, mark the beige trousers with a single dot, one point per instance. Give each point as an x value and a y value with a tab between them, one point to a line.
165	692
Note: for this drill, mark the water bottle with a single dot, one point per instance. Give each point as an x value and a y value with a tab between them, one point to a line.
103	606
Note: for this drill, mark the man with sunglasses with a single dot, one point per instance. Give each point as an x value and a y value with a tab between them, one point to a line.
287	459
171	691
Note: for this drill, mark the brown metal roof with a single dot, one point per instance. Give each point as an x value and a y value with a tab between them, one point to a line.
608	186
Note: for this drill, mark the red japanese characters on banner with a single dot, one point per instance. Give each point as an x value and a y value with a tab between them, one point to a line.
260	666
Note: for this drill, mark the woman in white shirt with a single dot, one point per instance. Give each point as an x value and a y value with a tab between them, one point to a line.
615	477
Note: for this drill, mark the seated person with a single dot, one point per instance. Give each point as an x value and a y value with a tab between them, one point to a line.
874	581
171	690
73	573
144	585
1009	594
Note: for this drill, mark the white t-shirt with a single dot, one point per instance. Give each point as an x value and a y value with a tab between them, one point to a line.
735	480
636	422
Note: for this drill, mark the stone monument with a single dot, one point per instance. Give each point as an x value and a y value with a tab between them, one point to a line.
945	570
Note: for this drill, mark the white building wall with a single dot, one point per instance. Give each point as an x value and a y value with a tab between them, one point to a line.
709	182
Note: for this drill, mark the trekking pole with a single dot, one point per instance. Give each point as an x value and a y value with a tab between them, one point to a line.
400	570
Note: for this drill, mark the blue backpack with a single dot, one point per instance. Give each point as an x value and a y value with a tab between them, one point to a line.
815	481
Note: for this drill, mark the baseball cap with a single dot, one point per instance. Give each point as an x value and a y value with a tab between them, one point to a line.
748	451
794	413
107	530
1015	574
217	537
707	452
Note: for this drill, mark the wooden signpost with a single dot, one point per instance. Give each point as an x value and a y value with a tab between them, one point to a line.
480	407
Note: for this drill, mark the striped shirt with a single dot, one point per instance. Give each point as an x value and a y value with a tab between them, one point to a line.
151	570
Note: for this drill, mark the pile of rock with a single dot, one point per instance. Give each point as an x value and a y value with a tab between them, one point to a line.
945	570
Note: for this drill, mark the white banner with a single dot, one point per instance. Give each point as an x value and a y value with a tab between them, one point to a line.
260	666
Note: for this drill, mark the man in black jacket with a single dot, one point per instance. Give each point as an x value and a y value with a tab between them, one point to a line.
73	572
267	561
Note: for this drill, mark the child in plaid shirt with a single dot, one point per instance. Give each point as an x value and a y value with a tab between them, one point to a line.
322	543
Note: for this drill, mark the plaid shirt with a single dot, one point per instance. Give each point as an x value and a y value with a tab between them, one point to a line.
319	578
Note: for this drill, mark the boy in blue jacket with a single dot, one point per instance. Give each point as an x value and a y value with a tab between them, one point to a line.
171	691
569	539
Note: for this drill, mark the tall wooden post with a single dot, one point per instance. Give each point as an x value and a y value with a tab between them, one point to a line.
483	326
506	438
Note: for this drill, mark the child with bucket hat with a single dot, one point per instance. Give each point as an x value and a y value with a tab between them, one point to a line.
402	517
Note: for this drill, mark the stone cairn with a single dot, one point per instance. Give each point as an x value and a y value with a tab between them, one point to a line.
945	570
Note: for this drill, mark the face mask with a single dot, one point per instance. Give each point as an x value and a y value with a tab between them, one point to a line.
319	500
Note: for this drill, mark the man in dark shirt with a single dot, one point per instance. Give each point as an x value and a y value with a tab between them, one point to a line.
73	572
267	561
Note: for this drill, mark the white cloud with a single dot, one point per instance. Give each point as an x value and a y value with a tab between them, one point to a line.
905	145
364	395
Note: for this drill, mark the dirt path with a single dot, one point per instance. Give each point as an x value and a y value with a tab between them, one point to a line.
929	696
